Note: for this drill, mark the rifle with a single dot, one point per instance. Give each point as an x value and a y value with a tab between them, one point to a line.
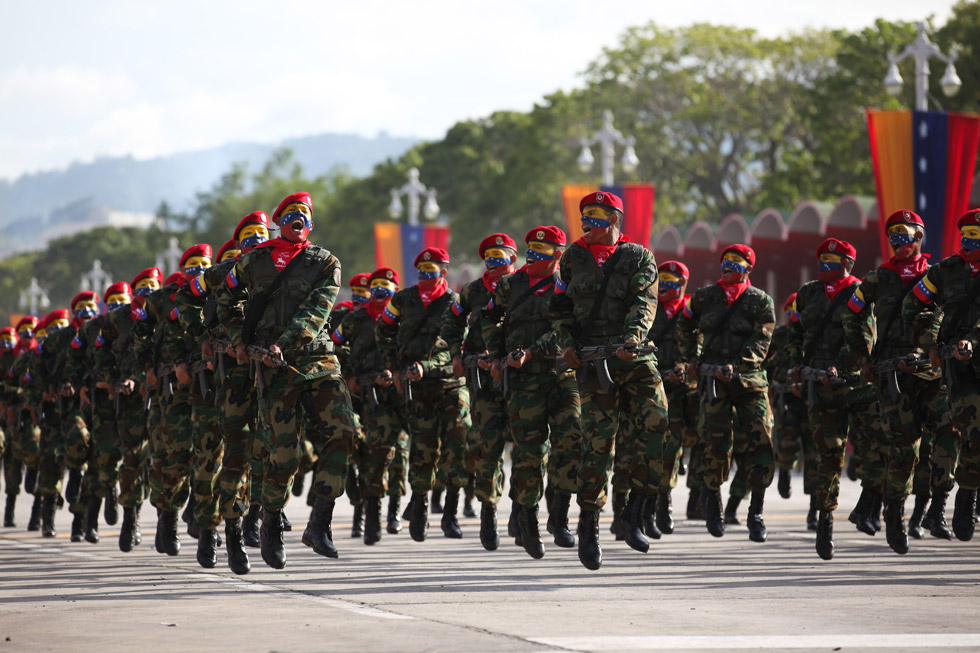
368	383
119	388
163	372
257	356
948	353
406	387
221	347
890	367
200	370
780	390
707	372
472	365
813	375
595	356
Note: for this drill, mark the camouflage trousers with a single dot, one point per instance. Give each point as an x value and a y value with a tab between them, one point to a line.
323	405
965	404
382	426
238	418
751	407
488	436
921	406
27	444
836	408
157	449
439	420
682	422
206	461
398	469
134	443
77	445
177	440
103	468
632	418
545	419
51	466
791	432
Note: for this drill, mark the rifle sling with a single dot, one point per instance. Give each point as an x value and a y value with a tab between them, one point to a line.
517	302
607	268
257	306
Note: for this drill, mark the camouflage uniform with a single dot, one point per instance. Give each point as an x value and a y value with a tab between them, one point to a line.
790	430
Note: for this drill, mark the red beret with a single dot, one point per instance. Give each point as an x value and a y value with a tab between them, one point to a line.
117	288
385	273
27	320
229	244
361	280
302	198
904	217
835	246
8	331
177	278
550	235
497	240
744	251
602	199
789	301
86	296
971	217
433	254
202	249
674	267
57	314
256	217
148	273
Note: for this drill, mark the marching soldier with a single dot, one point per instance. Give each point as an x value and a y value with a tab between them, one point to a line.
14	462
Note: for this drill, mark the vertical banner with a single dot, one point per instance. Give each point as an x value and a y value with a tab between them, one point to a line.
571	195
961	159
890	133
396	244
638	203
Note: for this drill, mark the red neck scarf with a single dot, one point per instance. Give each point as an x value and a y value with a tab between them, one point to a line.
601	253
19	349
974	265
533	280
434	293
375	313
734	290
834	287
283	250
673	306
908	269
490	283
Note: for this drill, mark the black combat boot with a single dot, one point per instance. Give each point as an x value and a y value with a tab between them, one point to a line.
513	529
852	468
372	519
77	527
357	523
811	515
530	532
418	525
825	535
437	501
298	482
288	525
73	488
898	538
207	548
619	504
318	533
187	516
450	526
558	520
731	510
712	512
34	522
918	512
250	526
111	510
964	508
633	522
861	515
92	520
783	484
757	527
650	528
169	537
470	491
126	535
875	514
488	526
237	558
936	516
665	512
694	504
158	540
273	548
589	551
30	480
47	516
394	522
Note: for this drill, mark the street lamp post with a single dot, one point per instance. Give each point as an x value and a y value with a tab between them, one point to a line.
34	297
608	137
921	50
414	190
95	279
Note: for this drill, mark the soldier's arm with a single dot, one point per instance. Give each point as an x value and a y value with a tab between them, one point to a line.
687	328
921	310
190	306
231	299
454	322
438	357
757	346
492	319
313	314
795	335
857	322
643	289
386	329
562	307
339	335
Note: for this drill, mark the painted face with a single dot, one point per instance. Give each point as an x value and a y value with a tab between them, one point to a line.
970	237
26	332
732	262
382	289
145	286
428	270
538	251
41	335
8	341
496	257
829	266
596	217
57	325
230	255
196	265
669	284
900	235
296	222
86	310
360	294
117	300
791	311
252	235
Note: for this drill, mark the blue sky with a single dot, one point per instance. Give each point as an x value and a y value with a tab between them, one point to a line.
81	80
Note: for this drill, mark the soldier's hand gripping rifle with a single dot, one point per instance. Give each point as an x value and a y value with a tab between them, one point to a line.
707	372
119	388
814	375
595	356
258	357
406	385
221	348
949	353
889	367
471	364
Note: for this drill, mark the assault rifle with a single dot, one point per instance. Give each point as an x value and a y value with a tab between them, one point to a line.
814	375
200	369
505	370
221	348
472	365
369	391
119	389
163	372
946	354
780	390
707	372
406	386
595	356
889	367
257	357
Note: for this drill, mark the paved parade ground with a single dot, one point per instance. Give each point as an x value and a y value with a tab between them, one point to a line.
690	592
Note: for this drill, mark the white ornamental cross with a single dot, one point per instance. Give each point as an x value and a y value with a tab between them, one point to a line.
34	297
95	279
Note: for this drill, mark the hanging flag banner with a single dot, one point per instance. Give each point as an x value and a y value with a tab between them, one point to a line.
638	201
397	244
924	161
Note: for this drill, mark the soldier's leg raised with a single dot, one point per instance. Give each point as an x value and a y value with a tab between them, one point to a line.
965	402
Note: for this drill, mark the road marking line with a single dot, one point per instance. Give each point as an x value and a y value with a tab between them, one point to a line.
721	642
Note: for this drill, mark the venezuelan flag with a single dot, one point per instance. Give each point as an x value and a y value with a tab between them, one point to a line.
396	244
638	201
924	160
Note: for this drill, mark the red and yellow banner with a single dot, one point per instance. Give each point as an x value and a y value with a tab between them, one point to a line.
638	201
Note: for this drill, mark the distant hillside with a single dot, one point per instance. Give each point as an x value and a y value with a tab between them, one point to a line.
125	184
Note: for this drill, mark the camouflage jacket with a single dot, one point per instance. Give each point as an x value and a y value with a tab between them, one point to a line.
80	365
115	353
354	338
461	325
148	329
507	326
816	339
408	332
196	303
776	364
